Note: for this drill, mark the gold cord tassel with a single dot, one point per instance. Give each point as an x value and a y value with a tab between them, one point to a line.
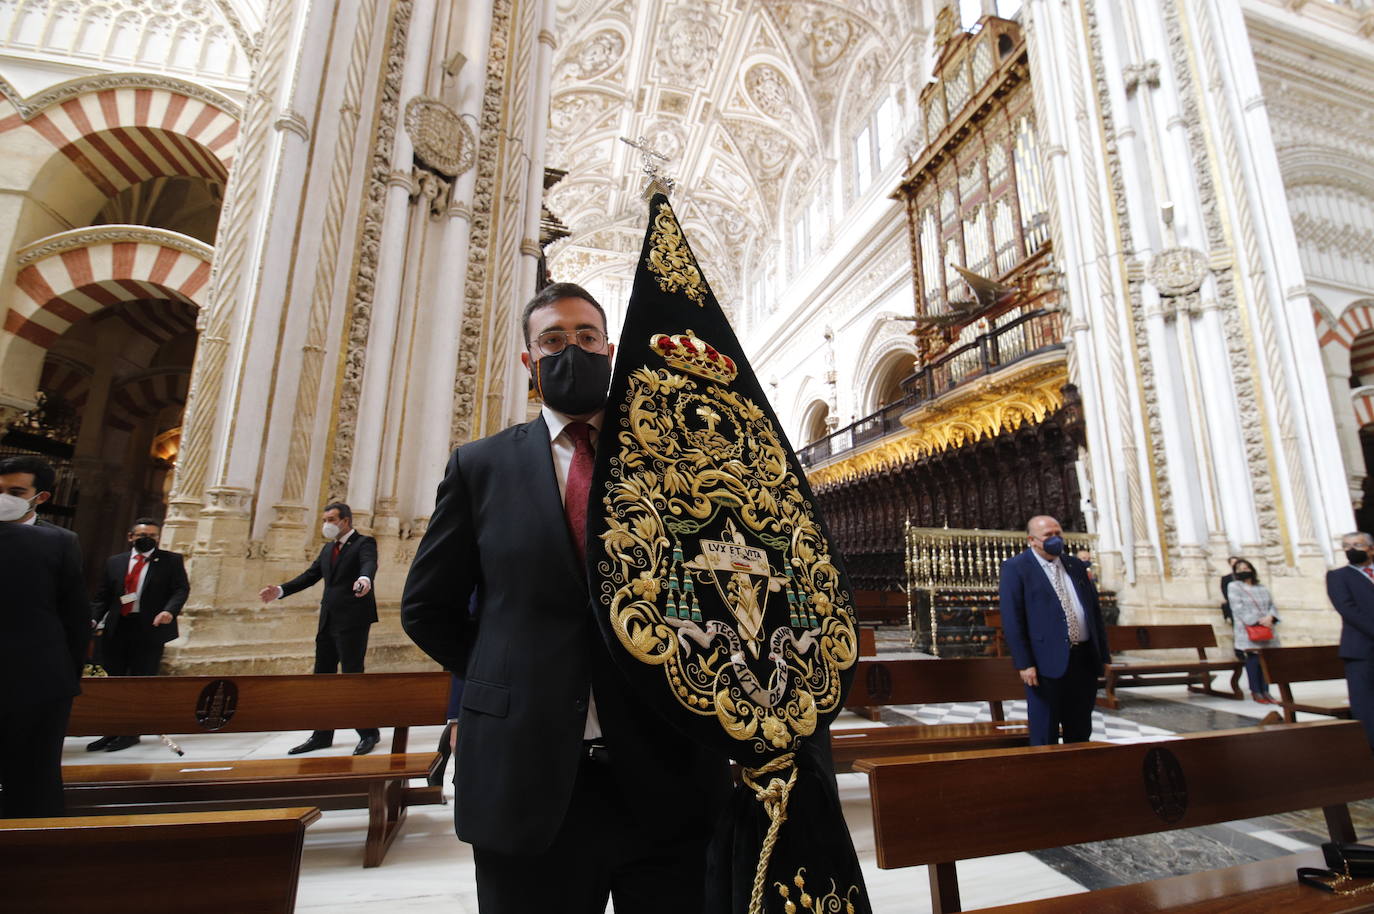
773	796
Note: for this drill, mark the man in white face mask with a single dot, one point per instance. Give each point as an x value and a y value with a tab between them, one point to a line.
26	482
347	564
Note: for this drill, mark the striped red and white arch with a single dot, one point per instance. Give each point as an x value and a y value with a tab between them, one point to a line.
123	136
85	274
144	396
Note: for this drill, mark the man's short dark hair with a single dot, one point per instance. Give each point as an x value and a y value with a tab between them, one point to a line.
145	522
552	293
344	510
44	476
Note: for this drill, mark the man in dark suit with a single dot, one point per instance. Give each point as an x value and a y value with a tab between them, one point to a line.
141	594
347	565
1053	626
44	629
561	773
1351	591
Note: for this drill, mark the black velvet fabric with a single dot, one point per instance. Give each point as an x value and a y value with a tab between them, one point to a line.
714	583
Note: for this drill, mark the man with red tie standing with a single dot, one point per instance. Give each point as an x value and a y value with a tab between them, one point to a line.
556	762
140	597
347	564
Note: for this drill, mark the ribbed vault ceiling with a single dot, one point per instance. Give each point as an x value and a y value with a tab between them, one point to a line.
754	101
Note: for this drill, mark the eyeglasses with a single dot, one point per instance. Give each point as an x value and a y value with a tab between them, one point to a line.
552	342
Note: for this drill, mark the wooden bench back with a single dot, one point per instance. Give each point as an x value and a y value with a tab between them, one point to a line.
914	682
879	606
1159	637
257	704
940	808
1302	664
244	860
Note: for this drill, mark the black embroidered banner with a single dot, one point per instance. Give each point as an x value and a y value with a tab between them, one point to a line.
716	587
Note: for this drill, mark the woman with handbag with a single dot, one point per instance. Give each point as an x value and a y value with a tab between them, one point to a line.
1252	609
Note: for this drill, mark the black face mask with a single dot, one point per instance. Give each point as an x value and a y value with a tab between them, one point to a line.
574	382
1246	576
1356	556
145	544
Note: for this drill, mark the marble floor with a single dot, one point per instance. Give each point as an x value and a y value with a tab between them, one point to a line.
429	871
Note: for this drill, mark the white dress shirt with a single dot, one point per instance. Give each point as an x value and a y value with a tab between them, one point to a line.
142	576
562	446
1056	569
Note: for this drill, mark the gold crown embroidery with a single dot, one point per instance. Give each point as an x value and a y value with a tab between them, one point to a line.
686	352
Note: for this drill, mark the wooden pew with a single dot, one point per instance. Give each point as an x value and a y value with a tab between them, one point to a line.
211	863
939	809
1196	674
880	607
1284	666
262	704
909	682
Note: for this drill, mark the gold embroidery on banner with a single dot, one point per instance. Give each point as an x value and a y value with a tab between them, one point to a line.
700	485
671	260
832	902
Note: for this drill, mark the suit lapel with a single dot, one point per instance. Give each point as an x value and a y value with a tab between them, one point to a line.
536	469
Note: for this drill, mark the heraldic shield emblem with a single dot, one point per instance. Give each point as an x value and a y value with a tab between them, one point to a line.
716	587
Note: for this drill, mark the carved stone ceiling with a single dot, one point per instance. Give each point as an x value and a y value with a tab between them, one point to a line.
751	100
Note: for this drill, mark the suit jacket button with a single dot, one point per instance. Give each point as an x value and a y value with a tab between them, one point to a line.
581	704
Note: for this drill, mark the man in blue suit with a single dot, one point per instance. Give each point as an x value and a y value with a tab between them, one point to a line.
1351	590
1053	626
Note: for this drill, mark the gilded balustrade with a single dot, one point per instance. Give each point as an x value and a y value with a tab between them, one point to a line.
952	582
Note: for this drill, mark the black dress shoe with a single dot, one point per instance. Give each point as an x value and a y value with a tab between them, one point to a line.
365	745
121	742
100	745
310	745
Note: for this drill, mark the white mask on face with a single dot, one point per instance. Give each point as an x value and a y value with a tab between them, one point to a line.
12	507
330	531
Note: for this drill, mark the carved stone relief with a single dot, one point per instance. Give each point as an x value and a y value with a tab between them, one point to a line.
1178	271
687	46
443	141
594	56
769	90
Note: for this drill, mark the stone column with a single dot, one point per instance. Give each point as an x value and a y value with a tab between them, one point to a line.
383	341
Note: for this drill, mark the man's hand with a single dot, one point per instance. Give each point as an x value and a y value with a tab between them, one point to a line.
1029	677
269	593
362	587
162	618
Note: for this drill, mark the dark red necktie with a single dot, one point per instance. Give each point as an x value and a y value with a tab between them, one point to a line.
579	484
334	558
131	583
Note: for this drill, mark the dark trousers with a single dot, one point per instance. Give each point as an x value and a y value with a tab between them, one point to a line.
1359	681
31	759
131	651
603	850
1254	672
341	652
1065	703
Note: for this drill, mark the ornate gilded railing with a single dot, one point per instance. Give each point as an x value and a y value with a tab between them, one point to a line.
952	586
1023	336
941	557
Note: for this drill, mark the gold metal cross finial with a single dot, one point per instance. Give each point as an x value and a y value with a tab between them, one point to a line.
653	160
